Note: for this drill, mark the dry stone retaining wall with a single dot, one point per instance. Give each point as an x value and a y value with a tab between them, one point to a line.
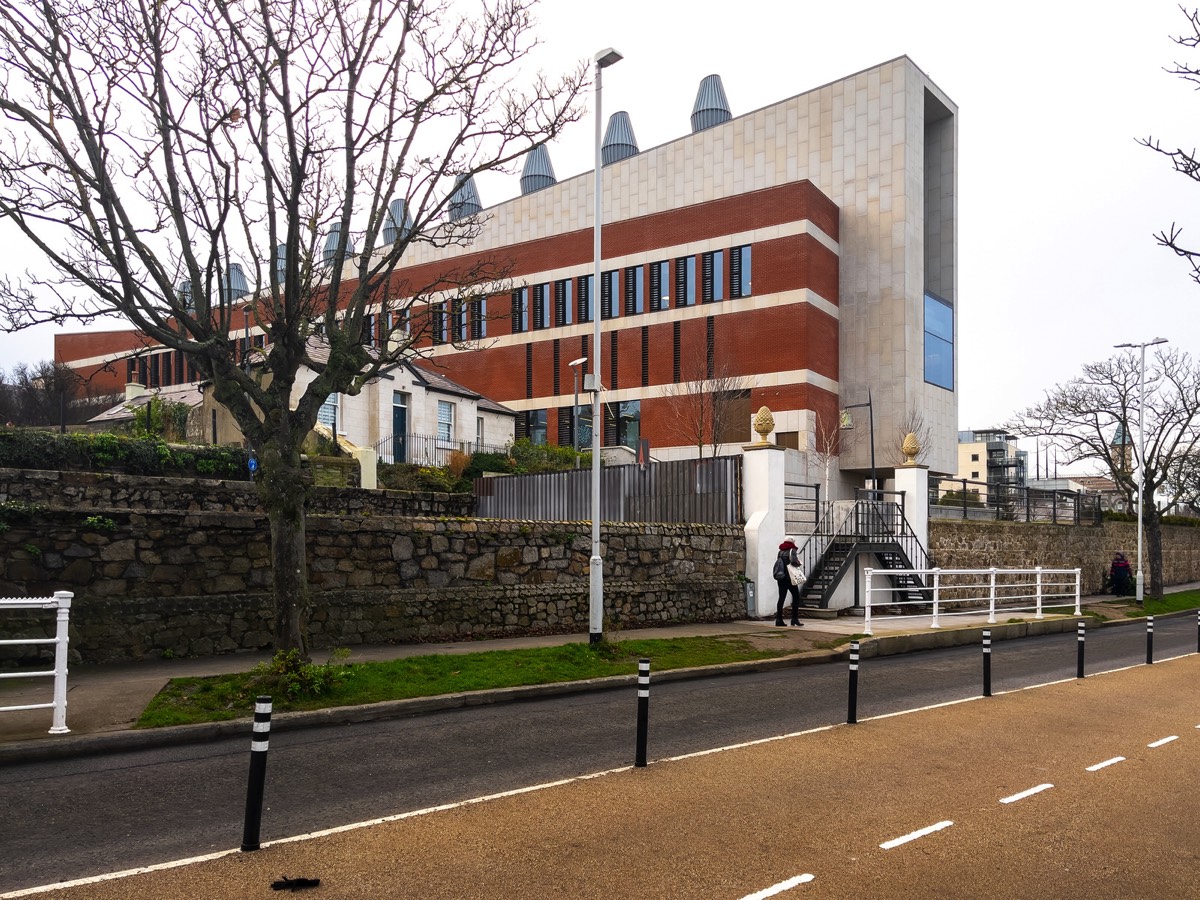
197	583
1010	545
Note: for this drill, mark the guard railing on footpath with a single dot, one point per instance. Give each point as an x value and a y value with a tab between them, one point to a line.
953	592
61	601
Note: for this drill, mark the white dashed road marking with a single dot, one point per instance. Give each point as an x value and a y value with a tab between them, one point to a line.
779	888
1108	762
920	833
1165	740
1029	793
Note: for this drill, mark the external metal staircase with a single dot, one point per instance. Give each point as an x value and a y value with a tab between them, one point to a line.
848	530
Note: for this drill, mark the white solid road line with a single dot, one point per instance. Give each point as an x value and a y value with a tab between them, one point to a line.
779	888
919	833
1165	740
1108	762
1029	793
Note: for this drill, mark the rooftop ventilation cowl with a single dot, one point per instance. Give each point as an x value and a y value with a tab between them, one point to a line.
619	142
464	202
538	172
711	106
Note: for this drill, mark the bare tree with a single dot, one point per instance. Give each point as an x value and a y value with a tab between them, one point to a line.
829	442
1186	162
154	145
1084	416
48	394
708	405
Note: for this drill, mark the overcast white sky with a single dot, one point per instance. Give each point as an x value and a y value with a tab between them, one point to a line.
1057	202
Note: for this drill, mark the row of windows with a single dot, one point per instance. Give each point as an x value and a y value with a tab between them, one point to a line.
622	425
634	290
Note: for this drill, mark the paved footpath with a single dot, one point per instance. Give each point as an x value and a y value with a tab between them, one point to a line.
1076	789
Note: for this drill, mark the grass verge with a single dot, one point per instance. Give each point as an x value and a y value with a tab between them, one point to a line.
295	686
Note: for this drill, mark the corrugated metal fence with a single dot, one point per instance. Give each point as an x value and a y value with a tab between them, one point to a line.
685	490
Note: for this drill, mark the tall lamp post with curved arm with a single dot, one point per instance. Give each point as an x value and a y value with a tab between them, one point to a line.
604	59
1140	581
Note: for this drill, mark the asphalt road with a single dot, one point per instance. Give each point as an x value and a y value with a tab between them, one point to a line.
77	818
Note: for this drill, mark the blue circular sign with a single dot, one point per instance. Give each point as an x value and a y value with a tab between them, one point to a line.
252	464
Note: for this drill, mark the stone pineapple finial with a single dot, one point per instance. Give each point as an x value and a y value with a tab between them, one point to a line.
764	423
911	447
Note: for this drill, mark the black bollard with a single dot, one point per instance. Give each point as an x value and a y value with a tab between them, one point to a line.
1079	652
852	708
259	743
987	663
1149	640
643	711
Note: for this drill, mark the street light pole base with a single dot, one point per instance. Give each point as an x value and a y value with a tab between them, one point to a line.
596	637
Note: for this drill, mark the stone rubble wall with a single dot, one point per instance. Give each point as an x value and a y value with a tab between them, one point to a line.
103	491
197	583
1012	545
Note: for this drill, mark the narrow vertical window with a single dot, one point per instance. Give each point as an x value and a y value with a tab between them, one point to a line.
739	271
541	306
439	322
712	276
635	290
564	301
520	310
660	286
685	281
585	297
556	349
609	290
458	320
478	318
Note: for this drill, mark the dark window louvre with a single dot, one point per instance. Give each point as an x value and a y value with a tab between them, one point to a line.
655	286
612	356
583	351
585	299
560	296
681	281
645	356
710	328
529	371
706	278
606	295
677	362
630	290
557	365
564	426
735	272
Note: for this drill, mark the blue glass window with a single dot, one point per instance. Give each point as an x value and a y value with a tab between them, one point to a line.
939	342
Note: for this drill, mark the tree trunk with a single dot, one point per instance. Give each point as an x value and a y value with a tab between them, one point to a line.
283	496
1153	549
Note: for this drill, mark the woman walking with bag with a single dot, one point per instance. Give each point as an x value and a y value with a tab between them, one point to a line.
786	560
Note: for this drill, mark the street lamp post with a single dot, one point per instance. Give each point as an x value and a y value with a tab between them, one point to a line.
575	364
603	59
1140	580
871	421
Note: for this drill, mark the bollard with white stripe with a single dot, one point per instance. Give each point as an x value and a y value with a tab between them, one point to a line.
1149	640
1079	652
259	744
987	663
643	711
852	705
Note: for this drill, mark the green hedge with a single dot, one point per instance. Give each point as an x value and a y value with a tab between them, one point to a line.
106	452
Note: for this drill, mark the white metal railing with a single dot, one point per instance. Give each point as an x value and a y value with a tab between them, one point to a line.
973	590
61	601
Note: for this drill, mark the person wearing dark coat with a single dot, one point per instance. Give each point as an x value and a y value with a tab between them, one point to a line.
789	557
1119	576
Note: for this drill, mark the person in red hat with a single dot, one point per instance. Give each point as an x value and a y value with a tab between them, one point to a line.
787	557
